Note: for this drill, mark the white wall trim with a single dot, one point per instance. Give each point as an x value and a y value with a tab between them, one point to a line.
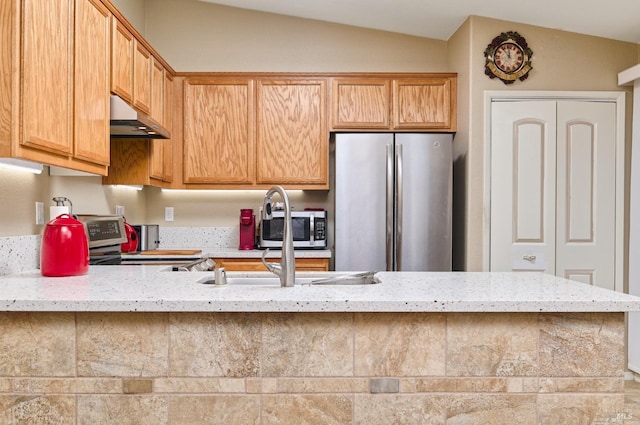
595	96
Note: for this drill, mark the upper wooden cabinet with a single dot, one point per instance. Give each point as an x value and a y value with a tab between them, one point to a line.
59	113
394	103
92	71
244	132
360	103
219	131
152	162
291	134
142	63
122	45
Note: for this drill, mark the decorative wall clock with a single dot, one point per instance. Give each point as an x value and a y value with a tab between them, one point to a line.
508	57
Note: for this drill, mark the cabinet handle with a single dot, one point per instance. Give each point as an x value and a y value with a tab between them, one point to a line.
529	258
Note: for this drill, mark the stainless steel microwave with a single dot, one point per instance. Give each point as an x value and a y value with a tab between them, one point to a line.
309	230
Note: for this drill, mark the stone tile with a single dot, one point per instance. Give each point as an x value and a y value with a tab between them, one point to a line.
6	385
582	344
405	409
581	385
122	410
487	344
323	385
137	386
632	401
453	385
199	385
494	409
580	409
214	410
310	409
303	344
37	344
68	385
388	344
37	410
122	344
216	345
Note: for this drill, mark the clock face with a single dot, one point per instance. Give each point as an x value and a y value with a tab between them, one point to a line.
508	57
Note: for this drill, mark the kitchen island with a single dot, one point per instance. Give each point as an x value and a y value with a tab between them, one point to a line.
141	345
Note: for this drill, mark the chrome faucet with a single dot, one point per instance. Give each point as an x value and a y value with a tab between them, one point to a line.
286	270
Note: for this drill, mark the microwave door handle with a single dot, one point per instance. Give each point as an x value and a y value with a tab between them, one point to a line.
312	229
389	208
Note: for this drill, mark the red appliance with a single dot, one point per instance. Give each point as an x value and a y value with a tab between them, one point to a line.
247	229
131	245
65	248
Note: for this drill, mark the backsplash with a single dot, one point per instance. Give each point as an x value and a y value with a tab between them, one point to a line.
22	253
196	237
19	253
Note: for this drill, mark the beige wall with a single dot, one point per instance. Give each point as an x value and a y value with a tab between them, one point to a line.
197	36
561	61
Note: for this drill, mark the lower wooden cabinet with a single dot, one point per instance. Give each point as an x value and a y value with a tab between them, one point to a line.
255	264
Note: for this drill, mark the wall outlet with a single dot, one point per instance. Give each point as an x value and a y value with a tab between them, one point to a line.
168	214
39	213
120	210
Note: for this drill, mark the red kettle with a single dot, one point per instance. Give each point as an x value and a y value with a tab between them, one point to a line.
131	245
65	248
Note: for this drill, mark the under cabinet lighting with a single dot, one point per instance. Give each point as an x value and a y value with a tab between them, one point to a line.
223	191
21	165
129	186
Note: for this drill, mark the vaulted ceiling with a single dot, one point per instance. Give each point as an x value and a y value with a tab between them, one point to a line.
614	19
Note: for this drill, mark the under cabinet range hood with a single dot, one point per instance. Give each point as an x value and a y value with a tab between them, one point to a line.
128	123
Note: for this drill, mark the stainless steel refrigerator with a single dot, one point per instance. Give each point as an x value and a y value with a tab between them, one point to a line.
393	196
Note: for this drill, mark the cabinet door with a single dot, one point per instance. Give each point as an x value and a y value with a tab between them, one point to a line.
47	75
91	126
157	91
121	61
292	138
360	103
141	78
255	264
424	103
168	145
219	131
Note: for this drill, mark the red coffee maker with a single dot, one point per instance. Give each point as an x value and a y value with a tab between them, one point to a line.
247	229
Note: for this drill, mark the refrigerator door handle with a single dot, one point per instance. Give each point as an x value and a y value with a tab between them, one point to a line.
399	201
389	202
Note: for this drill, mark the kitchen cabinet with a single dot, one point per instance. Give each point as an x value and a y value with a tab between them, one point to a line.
133	70
152	162
219	131
255	264
291	135
246	132
361	103
142	63
122	44
161	150
54	106
397	102
92	72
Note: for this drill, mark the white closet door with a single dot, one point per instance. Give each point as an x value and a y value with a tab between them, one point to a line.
586	199
523	192
553	191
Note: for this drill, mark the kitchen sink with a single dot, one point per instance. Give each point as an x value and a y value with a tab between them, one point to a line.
308	279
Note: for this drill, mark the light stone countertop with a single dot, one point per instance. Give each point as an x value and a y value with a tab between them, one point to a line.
150	289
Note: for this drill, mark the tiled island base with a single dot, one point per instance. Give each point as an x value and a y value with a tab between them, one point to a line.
311	368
